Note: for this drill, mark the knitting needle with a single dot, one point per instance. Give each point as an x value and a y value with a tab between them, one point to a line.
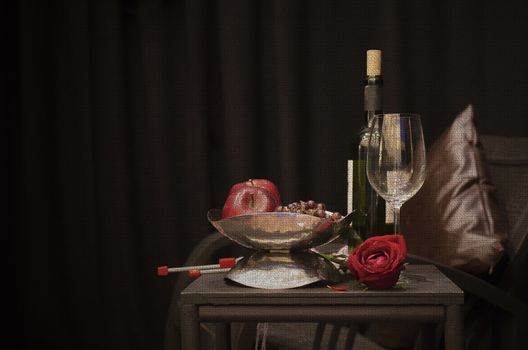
223	263
198	273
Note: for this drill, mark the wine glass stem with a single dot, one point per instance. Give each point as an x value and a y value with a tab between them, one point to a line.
396	212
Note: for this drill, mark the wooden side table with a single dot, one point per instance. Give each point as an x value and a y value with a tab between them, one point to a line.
432	298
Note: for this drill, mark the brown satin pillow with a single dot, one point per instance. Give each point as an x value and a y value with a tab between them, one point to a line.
454	218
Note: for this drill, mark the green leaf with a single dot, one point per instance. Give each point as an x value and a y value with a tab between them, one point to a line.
352	237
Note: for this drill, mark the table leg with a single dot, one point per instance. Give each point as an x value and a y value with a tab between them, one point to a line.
223	336
246	334
427	337
351	335
190	327
454	328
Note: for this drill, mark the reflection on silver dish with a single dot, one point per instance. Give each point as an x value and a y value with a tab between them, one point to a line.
277	230
279	270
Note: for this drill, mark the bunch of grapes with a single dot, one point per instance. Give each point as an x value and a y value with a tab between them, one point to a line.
311	208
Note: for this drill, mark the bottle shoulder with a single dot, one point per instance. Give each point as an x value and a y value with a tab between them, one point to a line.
358	145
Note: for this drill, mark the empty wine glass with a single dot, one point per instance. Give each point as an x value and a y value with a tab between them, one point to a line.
396	159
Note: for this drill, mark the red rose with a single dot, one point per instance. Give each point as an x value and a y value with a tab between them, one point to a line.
377	262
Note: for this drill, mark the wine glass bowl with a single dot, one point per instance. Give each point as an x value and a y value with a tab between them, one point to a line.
396	164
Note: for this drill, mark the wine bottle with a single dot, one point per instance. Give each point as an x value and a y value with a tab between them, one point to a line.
372	216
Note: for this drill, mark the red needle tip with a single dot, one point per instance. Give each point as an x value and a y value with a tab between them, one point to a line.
194	273
163	270
227	263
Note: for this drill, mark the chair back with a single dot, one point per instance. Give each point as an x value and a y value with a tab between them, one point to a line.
507	158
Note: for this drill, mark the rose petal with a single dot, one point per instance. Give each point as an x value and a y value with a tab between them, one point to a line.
374	267
378	260
338	288
376	247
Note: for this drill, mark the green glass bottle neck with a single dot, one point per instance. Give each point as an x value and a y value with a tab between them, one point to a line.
373	97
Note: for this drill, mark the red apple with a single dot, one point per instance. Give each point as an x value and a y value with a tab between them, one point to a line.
249	200
263	183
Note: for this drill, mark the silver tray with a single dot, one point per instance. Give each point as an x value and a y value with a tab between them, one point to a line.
278	270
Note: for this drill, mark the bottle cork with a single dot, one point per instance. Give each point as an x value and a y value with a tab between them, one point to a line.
373	62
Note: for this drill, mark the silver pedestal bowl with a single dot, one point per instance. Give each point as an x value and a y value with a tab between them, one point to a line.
283	242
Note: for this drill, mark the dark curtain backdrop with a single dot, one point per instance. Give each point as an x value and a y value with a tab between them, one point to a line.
128	120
